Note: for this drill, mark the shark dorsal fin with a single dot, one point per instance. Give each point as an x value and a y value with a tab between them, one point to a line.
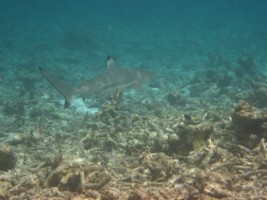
110	63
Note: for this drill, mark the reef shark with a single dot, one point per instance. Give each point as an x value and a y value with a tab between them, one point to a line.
113	78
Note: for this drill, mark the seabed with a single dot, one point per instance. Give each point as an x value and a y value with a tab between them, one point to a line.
196	132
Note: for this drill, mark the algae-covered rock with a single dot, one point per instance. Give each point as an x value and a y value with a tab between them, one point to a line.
189	137
200	134
7	158
248	123
176	99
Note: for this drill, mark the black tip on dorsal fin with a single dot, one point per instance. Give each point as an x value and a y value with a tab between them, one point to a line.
110	62
108	57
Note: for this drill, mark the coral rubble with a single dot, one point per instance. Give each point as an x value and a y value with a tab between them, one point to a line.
159	144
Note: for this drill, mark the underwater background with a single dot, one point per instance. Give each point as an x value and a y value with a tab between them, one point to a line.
196	131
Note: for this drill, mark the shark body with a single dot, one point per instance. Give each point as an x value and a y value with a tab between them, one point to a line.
113	78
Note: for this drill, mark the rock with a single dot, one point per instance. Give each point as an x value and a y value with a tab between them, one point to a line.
261	95
190	137
248	124
176	99
258	94
201	133
78	178
7	158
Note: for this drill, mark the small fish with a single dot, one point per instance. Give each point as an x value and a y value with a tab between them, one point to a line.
113	78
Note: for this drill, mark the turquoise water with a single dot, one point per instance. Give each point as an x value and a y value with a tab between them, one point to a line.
206	55
158	34
173	37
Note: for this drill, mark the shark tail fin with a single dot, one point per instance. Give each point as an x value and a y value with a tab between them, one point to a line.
66	90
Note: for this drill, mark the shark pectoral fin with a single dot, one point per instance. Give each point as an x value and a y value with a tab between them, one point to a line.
66	104
68	99
63	88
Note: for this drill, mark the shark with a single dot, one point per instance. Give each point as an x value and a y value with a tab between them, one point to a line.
114	77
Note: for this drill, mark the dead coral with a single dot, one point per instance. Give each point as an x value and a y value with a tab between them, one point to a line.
188	137
160	166
213	184
7	158
199	133
78	178
207	155
249	124
228	176
4	187
53	161
111	117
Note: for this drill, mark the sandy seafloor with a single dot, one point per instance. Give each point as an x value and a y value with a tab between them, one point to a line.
197	131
